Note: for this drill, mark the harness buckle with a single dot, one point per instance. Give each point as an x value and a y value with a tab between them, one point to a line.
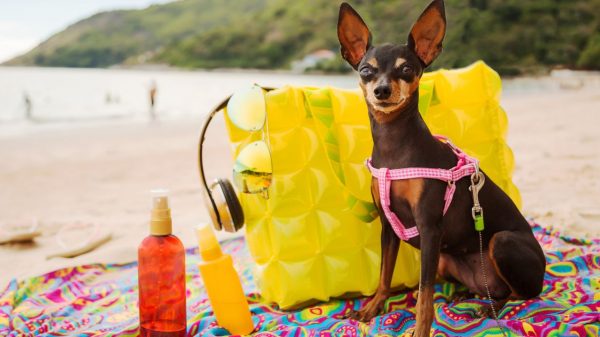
451	183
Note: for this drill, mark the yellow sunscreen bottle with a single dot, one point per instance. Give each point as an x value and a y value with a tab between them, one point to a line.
223	285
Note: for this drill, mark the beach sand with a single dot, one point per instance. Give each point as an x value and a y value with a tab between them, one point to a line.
101	173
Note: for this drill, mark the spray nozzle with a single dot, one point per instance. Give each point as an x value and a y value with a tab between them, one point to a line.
160	198
160	224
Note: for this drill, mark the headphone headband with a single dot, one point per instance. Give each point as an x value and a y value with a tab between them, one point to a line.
209	118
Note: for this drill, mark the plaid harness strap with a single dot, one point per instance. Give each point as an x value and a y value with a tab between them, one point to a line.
465	166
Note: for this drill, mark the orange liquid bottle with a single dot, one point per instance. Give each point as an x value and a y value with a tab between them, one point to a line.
161	276
222	284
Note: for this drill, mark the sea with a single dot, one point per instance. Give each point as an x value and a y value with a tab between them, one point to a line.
77	95
31	97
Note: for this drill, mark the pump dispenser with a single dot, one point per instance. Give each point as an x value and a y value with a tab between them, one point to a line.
160	223
222	284
161	275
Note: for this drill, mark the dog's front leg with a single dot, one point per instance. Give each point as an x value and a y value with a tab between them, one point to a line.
390	243
430	255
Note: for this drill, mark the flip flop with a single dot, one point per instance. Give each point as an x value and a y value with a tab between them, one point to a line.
93	240
19	233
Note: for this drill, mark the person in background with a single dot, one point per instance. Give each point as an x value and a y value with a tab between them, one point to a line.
152	92
28	106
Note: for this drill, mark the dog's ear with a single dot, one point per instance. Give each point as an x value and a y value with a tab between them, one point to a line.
354	36
426	35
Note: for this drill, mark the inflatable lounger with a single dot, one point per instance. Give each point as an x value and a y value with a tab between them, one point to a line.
317	235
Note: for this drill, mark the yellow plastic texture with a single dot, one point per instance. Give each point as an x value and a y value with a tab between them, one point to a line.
317	236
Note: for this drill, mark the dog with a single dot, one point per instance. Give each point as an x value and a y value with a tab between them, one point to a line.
448	243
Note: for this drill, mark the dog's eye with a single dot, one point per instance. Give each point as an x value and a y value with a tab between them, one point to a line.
407	70
366	72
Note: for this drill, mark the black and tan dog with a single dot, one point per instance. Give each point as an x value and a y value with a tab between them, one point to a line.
449	244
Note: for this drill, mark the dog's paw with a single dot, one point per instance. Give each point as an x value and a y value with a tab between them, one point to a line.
458	297
353	314
485	311
362	315
424	333
367	313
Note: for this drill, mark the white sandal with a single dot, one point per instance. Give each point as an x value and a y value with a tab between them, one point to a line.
91	240
19	233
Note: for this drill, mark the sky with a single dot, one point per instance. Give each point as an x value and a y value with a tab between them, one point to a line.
26	23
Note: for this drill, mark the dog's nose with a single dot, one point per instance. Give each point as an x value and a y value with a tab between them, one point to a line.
382	92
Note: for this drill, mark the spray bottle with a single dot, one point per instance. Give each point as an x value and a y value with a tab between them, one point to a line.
223	285
161	275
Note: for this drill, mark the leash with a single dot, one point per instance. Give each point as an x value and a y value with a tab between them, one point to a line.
477	181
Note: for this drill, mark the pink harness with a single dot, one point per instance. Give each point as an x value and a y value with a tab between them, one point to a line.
466	166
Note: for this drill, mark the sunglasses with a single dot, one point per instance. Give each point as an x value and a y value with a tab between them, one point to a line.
253	167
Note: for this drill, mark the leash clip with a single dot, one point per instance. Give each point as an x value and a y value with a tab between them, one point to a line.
477	181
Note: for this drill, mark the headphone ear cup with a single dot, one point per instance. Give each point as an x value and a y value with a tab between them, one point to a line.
233	206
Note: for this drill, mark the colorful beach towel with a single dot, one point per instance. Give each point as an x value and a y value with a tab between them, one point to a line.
101	300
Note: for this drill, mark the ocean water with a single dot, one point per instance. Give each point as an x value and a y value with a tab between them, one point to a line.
62	96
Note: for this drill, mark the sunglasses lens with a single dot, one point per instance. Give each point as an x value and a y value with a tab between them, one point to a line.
246	109
252	171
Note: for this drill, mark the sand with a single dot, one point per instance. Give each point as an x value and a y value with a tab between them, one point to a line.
101	173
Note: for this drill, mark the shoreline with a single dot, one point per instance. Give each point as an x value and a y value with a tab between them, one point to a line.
185	94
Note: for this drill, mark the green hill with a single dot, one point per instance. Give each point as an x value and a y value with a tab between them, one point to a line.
510	35
134	36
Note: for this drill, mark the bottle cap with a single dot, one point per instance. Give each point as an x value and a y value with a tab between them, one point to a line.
208	246
160	222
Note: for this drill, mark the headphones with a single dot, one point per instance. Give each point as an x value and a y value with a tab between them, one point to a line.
220	198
